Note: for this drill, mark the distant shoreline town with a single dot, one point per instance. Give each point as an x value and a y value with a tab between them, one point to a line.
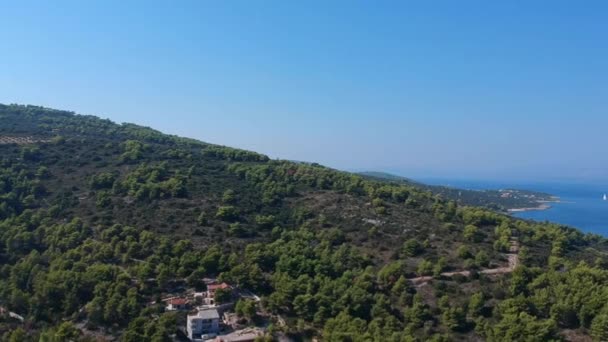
542	205
504	200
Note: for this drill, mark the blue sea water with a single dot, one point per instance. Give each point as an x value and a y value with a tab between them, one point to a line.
581	205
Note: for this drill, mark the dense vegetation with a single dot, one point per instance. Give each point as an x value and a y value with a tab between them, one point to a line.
99	220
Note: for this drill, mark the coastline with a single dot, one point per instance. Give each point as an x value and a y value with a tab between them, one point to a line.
542	205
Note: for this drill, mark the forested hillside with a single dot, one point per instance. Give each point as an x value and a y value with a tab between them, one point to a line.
99	220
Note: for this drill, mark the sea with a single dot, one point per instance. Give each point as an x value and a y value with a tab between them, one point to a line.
581	204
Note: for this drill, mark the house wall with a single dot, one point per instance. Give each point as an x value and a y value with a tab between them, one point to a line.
199	326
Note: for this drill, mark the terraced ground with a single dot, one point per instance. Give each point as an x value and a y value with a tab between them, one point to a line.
22	140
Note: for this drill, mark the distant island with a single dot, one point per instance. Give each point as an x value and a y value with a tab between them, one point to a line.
503	200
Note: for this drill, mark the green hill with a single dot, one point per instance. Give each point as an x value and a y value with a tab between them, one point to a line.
100	221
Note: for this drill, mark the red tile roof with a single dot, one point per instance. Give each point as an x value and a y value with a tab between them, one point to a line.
214	287
177	301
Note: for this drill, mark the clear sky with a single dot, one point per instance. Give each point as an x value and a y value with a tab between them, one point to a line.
459	89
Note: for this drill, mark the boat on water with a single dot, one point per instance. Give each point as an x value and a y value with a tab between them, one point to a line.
605	197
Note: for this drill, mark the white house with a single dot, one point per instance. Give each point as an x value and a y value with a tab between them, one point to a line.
204	324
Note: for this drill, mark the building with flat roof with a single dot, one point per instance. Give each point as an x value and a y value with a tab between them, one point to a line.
205	324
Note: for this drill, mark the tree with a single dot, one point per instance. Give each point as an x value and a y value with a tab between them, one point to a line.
439	267
599	327
454	318
521	327
482	259
425	267
223	295
17	335
381	307
471	233
443	303
104	180
228	197
195	279
469	264
103	199
524	255
412	247
246	308
226	213
520	278
304	306
63	333
390	273
476	304
344	328
43	172
236	229
400	287
265	221
133	151
417	313
66	332
377	202
463	252
136	330
502	244
164	276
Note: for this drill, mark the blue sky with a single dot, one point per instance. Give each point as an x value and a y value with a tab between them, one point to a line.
457	89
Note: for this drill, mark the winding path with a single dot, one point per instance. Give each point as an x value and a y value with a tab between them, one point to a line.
512	257
11	314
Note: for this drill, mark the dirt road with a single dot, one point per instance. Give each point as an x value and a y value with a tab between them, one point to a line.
512	257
